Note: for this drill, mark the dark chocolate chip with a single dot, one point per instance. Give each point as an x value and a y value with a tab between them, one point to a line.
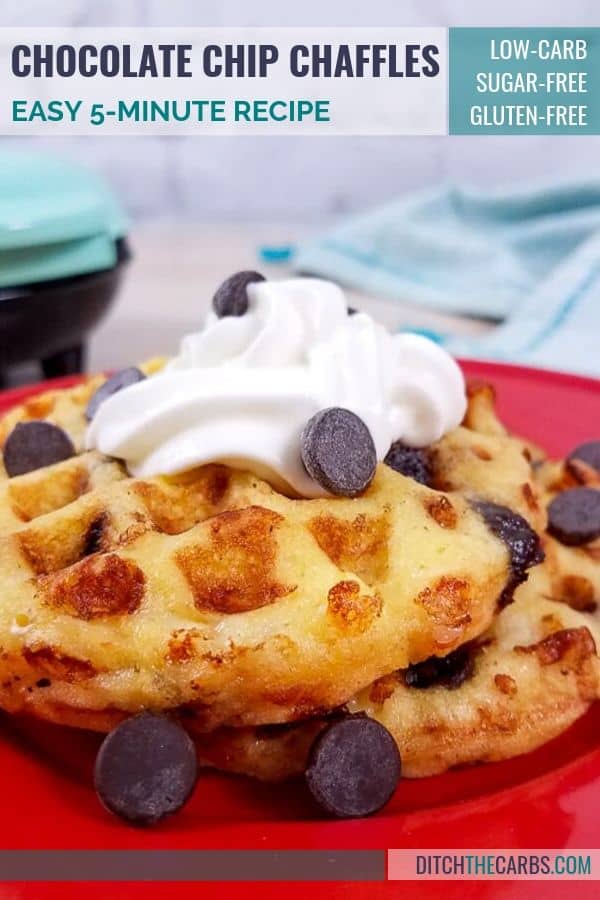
354	767
588	453
445	671
114	384
94	536
521	540
146	769
338	451
352	310
518	535
414	462
33	445
231	298
574	516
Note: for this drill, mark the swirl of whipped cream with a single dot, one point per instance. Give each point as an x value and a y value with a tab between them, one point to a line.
241	389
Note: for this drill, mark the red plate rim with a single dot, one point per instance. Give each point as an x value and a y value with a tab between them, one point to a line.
473	367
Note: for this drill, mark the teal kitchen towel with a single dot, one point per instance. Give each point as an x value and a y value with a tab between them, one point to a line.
530	258
558	327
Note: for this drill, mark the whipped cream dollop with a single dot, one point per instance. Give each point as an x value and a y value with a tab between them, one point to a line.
242	389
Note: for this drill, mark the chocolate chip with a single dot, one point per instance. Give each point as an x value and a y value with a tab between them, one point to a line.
94	536
351	310
33	445
445	671
146	769
587	453
518	535
522	542
338	451
413	462
574	516
114	384
354	767
231	298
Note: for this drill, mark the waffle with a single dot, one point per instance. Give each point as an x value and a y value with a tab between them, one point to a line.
530	677
570	574
215	594
526	680
573	573
65	408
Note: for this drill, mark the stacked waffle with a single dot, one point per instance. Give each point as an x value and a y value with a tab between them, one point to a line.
290	635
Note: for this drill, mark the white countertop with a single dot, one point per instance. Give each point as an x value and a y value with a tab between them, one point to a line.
174	272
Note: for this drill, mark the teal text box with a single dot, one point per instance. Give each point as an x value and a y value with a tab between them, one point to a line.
527	111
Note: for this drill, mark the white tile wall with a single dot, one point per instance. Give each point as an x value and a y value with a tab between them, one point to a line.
305	178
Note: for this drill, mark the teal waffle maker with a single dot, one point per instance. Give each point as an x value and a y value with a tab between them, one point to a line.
62	253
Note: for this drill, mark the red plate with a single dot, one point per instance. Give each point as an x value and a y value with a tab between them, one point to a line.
548	799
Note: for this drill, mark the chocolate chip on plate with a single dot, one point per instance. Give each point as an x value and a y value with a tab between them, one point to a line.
574	516
338	451
114	384
146	769
231	298
588	453
33	445
413	462
354	767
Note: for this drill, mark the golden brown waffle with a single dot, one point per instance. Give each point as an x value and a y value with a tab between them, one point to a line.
570	574
65	408
573	572
215	593
263	612
533	674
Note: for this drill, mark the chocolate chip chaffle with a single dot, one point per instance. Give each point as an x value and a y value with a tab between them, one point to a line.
303	543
